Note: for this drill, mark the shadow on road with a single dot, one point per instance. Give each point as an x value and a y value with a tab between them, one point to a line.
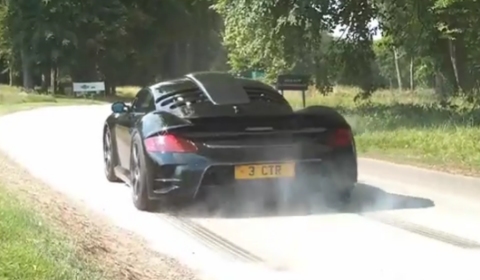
365	198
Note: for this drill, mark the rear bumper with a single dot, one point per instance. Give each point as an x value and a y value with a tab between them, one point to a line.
185	176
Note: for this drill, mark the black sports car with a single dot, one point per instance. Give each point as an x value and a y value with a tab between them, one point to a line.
208	130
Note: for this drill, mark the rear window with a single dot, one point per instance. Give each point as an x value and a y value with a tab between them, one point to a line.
194	95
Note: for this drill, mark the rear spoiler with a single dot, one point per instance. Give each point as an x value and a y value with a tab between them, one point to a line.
197	133
247	125
202	131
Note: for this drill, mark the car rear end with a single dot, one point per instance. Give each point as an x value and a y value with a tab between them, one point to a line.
305	151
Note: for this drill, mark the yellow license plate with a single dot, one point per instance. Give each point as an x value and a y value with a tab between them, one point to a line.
263	171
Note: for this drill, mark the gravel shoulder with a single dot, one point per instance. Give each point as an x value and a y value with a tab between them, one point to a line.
118	253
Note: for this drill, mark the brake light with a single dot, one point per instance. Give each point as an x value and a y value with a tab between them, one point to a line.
169	144
341	138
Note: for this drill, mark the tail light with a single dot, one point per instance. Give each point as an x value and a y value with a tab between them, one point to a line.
341	138
169	144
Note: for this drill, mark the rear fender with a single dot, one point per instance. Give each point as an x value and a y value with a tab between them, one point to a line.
329	114
335	119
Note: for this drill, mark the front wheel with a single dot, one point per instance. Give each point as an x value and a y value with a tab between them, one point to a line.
140	177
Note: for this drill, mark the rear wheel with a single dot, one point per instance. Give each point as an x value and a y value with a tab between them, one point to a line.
109	159
345	193
340	196
140	177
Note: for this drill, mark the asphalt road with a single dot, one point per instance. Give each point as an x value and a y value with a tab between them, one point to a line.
403	222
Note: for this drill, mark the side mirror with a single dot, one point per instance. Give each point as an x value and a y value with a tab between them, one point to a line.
119	107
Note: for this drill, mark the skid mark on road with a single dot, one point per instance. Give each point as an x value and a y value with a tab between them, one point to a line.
431	233
369	203
212	240
224	246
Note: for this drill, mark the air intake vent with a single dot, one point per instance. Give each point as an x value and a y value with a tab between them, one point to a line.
182	98
265	95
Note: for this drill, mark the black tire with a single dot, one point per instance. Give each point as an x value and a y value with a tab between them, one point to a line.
109	157
140	176
340	197
344	195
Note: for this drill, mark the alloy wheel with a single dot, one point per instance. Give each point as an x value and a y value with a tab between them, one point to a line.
135	173
107	154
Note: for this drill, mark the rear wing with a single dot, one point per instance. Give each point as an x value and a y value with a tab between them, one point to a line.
246	125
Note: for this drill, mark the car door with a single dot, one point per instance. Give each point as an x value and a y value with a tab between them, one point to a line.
142	104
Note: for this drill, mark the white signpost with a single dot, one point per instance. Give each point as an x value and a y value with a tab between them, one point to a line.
82	89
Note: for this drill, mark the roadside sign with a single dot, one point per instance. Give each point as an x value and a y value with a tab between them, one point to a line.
81	89
294	83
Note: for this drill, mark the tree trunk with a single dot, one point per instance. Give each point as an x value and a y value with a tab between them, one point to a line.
53	79
110	87
46	78
10	77
453	59
458	58
26	70
397	68
441	85
412	82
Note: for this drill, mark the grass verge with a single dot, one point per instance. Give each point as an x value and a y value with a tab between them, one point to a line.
29	248
32	250
67	240
13	99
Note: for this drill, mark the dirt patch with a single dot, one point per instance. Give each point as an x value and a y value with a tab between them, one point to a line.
118	253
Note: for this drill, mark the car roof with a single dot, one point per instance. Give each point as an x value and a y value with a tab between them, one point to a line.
217	94
186	83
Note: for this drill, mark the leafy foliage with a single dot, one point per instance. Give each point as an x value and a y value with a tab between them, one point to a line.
119	41
280	36
429	43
